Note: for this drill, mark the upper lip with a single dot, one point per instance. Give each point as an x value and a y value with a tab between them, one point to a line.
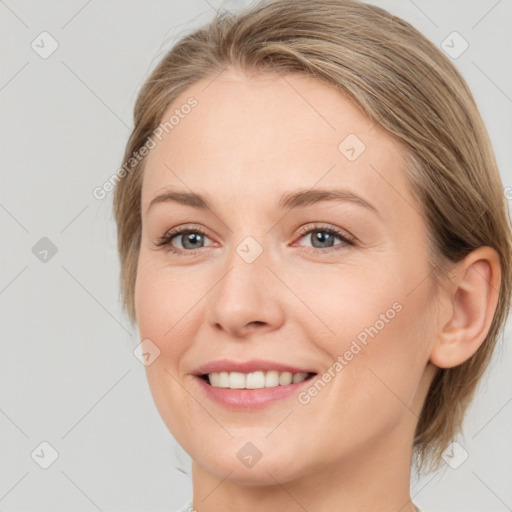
225	365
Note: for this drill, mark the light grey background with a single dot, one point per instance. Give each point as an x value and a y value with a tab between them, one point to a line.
68	374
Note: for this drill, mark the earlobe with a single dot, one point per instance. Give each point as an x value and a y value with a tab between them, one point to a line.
474	293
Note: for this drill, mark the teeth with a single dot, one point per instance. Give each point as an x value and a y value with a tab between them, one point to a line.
236	380
224	380
285	378
299	377
272	379
254	380
214	379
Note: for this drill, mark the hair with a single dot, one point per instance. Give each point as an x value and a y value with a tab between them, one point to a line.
403	82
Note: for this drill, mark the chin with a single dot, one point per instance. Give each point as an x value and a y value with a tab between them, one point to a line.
263	473
260	462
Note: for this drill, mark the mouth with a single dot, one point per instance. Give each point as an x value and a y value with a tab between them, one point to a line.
250	385
254	380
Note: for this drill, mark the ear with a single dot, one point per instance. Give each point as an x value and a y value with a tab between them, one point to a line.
472	297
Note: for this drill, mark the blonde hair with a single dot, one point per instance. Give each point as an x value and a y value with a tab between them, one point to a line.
405	84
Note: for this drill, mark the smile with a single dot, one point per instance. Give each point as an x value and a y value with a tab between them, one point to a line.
250	385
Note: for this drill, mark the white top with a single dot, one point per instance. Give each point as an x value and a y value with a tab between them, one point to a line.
189	508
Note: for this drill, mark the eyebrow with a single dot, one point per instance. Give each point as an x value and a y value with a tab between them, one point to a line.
288	200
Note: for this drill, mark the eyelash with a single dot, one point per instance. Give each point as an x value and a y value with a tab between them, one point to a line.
347	240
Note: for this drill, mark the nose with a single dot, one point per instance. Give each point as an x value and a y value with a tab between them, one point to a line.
247	298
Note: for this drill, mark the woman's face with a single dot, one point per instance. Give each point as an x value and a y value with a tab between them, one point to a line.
282	278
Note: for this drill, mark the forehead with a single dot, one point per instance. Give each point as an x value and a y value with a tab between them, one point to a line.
257	135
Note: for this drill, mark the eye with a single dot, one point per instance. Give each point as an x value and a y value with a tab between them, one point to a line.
191	239
323	238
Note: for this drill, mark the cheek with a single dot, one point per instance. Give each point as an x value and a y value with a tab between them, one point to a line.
374	386
161	300
161	318
349	303
392	351
380	333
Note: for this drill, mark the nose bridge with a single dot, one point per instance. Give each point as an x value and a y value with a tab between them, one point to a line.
246	295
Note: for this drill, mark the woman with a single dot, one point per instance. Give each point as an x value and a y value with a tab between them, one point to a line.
315	248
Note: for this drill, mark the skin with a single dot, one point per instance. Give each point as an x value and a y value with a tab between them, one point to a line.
249	140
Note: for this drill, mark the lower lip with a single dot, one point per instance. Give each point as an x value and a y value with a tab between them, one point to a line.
247	399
